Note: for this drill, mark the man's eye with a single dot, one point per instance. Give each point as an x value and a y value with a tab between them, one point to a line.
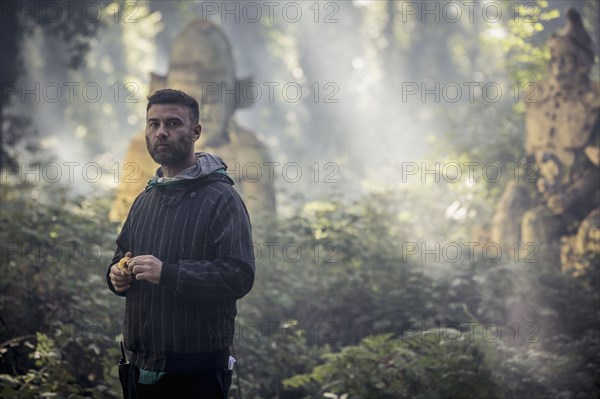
173	123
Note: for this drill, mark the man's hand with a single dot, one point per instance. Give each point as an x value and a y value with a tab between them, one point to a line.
146	267
120	280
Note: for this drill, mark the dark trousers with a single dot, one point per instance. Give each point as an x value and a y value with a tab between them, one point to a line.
204	385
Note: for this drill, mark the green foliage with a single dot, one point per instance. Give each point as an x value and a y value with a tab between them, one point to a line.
354	250
367	287
559	367
418	367
52	373
58	319
269	352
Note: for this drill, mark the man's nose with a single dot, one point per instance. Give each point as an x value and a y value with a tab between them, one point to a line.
161	131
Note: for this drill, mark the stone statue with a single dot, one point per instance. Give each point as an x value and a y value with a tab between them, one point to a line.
562	143
202	65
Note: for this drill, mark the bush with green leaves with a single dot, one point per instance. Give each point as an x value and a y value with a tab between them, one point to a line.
422	366
59	321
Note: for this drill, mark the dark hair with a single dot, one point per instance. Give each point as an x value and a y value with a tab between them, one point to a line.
172	96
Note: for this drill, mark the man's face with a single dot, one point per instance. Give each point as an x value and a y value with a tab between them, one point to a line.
170	135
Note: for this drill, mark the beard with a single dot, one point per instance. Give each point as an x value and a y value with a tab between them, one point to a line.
174	153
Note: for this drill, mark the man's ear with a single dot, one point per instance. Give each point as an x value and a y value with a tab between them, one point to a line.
197	131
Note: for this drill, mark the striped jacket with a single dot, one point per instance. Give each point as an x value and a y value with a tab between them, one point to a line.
201	231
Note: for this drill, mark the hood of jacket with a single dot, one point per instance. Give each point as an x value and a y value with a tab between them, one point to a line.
206	164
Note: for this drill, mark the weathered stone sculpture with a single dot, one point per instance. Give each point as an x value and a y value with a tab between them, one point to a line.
562	140
202	65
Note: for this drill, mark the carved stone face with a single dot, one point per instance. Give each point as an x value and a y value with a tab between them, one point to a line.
568	70
214	118
563	66
202	65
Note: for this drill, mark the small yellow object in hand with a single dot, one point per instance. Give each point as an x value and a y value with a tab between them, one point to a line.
123	265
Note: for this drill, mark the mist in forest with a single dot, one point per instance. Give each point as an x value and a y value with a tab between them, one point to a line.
338	53
375	94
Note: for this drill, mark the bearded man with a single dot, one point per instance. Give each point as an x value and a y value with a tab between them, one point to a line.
189	240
